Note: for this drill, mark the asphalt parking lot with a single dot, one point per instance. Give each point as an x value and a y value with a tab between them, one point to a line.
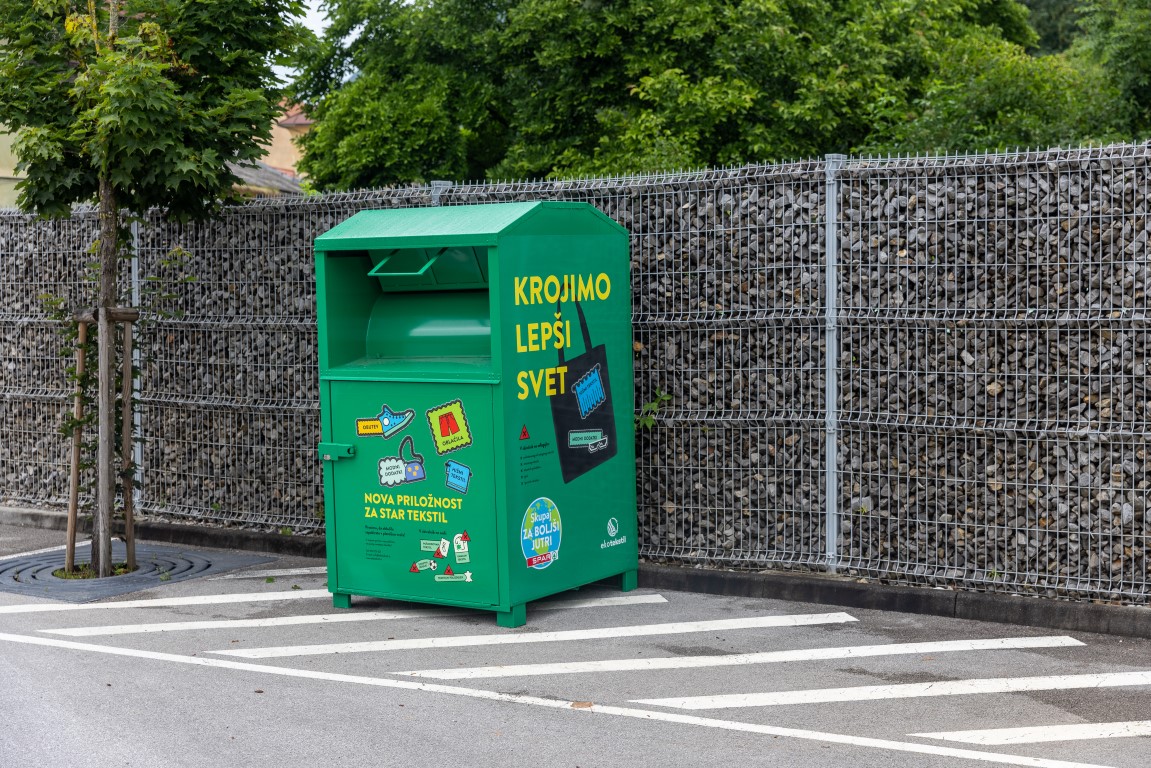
254	667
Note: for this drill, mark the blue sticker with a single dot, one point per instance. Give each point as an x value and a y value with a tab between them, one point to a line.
589	392
459	476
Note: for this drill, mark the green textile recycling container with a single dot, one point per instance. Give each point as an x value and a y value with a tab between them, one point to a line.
476	399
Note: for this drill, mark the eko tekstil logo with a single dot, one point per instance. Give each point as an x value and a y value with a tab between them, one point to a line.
540	535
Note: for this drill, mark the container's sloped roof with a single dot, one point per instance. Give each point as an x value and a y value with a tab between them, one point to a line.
454	225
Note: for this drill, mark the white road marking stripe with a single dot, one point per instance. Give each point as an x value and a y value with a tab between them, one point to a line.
907	691
597	602
541	637
737	659
320	570
168	602
332	618
570	706
1038	734
42	551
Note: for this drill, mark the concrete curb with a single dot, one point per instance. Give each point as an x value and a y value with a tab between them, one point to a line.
190	535
1128	621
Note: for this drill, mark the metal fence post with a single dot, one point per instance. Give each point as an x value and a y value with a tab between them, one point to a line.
439	187
834	163
137	422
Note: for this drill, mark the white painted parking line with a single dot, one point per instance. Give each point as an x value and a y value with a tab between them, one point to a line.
576	708
644	630
598	602
333	618
906	691
170	602
43	551
1039	734
320	570
222	624
738	659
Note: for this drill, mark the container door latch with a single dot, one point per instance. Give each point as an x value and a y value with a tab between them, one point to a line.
336	451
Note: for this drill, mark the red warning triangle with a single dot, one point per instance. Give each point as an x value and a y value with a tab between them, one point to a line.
524	433
414	569
448	571
438	553
465	537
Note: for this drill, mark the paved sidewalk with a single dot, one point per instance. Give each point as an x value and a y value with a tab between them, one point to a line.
18	539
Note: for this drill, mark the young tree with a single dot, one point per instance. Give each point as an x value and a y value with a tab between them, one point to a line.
136	104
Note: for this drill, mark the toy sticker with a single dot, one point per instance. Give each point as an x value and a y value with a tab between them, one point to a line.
458	476
387	423
395	470
540	534
449	425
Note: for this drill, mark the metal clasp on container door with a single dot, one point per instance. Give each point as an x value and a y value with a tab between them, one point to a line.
336	451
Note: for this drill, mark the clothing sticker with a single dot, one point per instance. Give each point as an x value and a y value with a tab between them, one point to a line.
460	545
458	476
589	392
540	534
387	424
449	425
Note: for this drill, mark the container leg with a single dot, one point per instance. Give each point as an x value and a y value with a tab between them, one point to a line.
341	601
516	617
629	580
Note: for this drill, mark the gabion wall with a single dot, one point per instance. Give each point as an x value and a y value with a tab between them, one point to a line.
988	422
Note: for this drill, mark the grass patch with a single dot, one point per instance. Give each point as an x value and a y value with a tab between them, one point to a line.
85	571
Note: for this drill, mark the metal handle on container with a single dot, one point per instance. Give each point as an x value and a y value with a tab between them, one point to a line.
375	271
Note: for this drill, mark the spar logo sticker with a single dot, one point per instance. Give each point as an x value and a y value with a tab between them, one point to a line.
540	535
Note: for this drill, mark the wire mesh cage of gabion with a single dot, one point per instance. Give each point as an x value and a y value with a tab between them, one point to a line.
925	370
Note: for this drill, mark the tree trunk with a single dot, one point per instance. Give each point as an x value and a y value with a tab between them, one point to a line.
106	374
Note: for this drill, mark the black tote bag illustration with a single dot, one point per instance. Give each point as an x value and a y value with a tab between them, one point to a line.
583	415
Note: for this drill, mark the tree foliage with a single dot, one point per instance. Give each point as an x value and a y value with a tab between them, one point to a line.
410	91
989	94
1056	22
1117	38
